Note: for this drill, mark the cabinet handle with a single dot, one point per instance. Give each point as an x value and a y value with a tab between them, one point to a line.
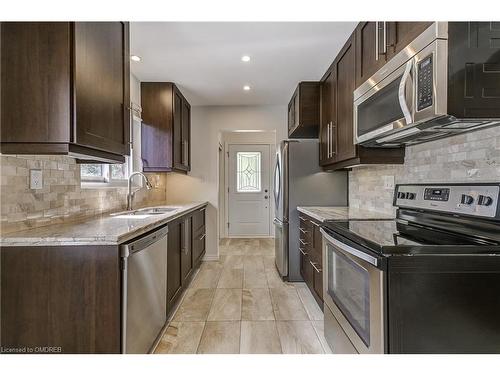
302	251
376	40
315	224
202	237
327	140
302	218
302	242
313	264
334	140
302	230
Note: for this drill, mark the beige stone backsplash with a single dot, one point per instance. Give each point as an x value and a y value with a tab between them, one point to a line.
469	157
62	198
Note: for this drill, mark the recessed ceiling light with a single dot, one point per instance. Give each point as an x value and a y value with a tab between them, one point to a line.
246	88
245	58
135	58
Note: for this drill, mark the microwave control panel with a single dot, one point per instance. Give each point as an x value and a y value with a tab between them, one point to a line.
424	85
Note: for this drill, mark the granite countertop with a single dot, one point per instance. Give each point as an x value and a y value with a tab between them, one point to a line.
323	214
100	230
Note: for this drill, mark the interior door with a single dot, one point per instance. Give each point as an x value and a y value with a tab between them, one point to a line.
249	194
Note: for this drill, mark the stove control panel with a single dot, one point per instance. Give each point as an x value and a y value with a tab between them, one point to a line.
480	200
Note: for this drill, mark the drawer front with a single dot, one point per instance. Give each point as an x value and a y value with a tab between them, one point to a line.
199	220
198	246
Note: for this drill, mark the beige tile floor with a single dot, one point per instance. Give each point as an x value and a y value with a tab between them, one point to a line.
239	304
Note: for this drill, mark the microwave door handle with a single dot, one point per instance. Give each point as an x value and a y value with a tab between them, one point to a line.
402	93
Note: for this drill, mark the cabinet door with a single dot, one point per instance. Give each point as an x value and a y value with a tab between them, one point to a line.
198	236
317	259
327	108
186	135
101	86
318	280
369	52
186	249
305	267
35	78
174	276
400	34
291	112
344	142
177	130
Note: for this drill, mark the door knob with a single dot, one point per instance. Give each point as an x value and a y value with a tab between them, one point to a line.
265	191
265	197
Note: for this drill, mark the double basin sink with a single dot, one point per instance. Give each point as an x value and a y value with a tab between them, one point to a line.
144	212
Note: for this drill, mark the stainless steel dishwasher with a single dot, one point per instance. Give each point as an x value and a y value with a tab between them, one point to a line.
144	293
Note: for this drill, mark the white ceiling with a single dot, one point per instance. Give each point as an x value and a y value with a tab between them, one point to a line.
204	58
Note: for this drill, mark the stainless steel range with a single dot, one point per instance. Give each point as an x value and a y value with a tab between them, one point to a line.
426	282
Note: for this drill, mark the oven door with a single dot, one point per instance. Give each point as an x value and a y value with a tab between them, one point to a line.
354	294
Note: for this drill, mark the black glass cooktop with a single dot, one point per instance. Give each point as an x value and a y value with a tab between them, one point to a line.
398	237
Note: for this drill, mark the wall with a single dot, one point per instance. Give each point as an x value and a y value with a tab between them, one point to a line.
202	183
62	198
469	157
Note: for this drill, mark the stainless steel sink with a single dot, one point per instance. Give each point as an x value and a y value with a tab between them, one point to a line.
155	210
145	212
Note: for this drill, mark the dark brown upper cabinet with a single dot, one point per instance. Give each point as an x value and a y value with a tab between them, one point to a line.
166	128
400	34
337	147
370	56
303	111
65	89
378	42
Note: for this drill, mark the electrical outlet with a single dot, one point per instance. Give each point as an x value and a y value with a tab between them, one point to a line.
36	179
389	182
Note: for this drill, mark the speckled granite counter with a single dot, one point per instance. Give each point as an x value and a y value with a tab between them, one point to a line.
342	213
101	230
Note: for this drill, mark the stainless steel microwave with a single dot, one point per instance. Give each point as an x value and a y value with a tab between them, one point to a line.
446	81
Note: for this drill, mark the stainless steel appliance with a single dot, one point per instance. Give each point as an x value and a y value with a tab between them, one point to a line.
144	293
298	180
421	283
443	83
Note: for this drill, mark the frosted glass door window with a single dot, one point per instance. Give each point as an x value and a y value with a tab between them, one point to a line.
248	172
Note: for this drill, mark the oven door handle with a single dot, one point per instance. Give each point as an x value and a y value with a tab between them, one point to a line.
402	93
350	250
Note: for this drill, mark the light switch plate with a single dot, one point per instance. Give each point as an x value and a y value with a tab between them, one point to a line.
36	179
389	182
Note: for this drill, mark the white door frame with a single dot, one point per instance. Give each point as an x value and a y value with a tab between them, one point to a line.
226	185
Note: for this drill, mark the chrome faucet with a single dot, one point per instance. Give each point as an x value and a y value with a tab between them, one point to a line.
130	195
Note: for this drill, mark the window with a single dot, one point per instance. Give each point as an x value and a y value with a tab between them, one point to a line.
116	174
109	174
248	172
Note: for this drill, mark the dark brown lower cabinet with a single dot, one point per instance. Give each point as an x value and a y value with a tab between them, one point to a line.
68	299
174	271
61	298
311	256
186	247
198	236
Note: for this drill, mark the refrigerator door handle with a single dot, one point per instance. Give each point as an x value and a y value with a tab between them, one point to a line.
277	182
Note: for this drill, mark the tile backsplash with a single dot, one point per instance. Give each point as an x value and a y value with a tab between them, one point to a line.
470	157
62	198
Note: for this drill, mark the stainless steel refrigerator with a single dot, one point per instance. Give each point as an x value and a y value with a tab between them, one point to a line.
299	181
